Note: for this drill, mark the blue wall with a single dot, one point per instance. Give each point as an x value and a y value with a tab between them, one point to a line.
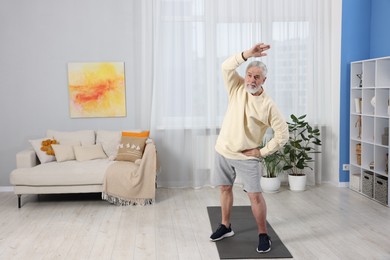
365	35
380	28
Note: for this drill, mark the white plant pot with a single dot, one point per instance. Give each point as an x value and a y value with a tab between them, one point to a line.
297	183
270	185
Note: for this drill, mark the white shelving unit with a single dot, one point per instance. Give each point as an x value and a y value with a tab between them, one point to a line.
369	128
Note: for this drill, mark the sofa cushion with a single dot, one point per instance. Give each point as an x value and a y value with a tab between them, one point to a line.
89	152
63	152
110	141
62	174
42	156
84	137
131	148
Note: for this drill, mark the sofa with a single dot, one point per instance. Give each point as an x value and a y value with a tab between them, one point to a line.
122	165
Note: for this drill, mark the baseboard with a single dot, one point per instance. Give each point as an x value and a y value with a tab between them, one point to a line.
6	188
336	184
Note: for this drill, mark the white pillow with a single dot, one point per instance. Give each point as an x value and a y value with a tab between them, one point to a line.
63	152
89	152
110	141
42	156
85	137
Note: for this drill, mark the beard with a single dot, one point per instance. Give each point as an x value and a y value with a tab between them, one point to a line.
252	89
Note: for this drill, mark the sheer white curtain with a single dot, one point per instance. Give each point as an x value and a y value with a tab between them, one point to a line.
191	39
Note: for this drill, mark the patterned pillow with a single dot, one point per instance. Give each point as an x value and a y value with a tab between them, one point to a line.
47	146
131	148
42	155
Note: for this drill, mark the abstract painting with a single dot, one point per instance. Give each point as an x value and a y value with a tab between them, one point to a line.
97	89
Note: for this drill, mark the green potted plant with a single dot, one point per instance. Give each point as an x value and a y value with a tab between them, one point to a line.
298	150
272	165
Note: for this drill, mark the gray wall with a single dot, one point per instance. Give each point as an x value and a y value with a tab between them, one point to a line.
38	39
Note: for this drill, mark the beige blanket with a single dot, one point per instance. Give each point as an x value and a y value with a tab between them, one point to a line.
127	183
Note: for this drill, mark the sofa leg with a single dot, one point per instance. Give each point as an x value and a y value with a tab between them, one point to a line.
19	201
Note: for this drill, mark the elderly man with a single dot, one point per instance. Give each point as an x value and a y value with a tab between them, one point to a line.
250	112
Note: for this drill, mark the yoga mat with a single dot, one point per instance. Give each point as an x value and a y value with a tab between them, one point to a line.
245	240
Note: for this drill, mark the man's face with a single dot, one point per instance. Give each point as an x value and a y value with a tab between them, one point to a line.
254	79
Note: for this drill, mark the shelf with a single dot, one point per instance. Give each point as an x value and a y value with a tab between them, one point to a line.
369	128
383	75
369	74
382	102
367	99
381	131
357	69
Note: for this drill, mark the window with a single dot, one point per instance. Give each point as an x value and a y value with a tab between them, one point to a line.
194	44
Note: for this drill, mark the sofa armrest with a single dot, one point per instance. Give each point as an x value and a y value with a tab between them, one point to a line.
153	150
26	159
149	162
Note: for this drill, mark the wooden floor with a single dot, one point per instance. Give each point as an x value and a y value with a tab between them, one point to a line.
323	222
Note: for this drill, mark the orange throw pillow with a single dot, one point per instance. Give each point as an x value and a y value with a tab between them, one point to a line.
136	134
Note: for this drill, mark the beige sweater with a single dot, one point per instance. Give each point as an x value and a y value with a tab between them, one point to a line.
248	117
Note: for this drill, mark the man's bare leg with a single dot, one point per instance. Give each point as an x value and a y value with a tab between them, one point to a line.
259	210
226	199
224	230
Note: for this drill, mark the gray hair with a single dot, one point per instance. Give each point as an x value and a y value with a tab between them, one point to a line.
258	64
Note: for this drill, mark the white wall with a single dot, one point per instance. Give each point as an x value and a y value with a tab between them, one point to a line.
38	39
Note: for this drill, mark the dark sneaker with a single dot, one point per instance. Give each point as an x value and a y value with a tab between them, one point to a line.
222	232
264	244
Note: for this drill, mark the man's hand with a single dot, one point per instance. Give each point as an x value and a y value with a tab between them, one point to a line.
255	152
257	51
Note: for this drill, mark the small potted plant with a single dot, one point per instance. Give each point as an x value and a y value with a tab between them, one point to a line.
272	165
298	150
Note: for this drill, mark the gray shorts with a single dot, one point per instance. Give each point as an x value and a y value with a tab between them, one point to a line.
249	172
